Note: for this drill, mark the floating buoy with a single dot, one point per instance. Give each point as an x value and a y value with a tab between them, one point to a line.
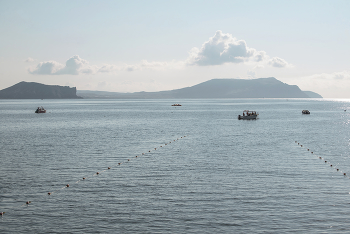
128	159
308	150
136	156
97	173
67	185
118	163
325	161
344	173
28	202
49	193
143	153
331	165
155	148
337	169
2	213
109	168
298	143
301	145
83	178
320	157
149	151
312	152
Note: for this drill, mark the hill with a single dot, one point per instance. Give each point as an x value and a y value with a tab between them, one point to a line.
216	88
32	90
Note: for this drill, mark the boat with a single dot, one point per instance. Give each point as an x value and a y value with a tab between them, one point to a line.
305	112
248	115
40	110
175	105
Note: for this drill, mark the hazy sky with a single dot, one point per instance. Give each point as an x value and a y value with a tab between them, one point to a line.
128	46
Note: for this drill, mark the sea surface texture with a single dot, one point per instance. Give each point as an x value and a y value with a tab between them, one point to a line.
198	168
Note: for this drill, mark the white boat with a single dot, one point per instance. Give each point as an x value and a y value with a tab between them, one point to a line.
248	115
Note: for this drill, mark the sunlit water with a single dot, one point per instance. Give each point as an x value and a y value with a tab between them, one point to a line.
226	175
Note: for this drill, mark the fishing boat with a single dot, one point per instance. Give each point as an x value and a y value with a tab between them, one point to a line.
40	110
248	115
305	112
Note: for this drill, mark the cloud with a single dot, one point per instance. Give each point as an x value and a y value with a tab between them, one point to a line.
278	62
29	60
76	65
46	68
73	66
223	48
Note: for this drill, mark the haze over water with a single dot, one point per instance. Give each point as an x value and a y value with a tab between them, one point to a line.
226	175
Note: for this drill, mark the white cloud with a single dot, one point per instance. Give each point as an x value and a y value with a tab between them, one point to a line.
278	62
72	67
331	85
29	60
46	68
223	48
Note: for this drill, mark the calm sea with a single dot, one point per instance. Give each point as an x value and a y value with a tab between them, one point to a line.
226	175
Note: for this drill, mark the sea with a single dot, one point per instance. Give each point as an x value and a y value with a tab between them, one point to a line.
145	166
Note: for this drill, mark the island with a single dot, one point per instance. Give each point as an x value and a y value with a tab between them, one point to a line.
215	88
33	90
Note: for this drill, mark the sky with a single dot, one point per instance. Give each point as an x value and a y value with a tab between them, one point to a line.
131	46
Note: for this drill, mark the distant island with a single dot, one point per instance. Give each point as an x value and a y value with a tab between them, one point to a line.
215	88
32	90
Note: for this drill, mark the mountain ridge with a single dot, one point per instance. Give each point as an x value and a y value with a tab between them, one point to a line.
216	88
33	90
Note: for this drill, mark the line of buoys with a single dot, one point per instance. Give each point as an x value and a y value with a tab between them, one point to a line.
325	161
84	178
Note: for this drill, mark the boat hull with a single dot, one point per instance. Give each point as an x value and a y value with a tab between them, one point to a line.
247	117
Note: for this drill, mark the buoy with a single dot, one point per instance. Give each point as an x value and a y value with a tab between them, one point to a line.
298	143
155	148
295	141
331	165
49	193
337	169
325	161
308	150
128	159
312	152
320	157
97	173
109	168
83	178
301	145
344	173
136	156
2	213
67	185
149	151
28	202
118	163
143	153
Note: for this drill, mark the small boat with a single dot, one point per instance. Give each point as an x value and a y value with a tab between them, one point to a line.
248	115
305	112
40	110
175	105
